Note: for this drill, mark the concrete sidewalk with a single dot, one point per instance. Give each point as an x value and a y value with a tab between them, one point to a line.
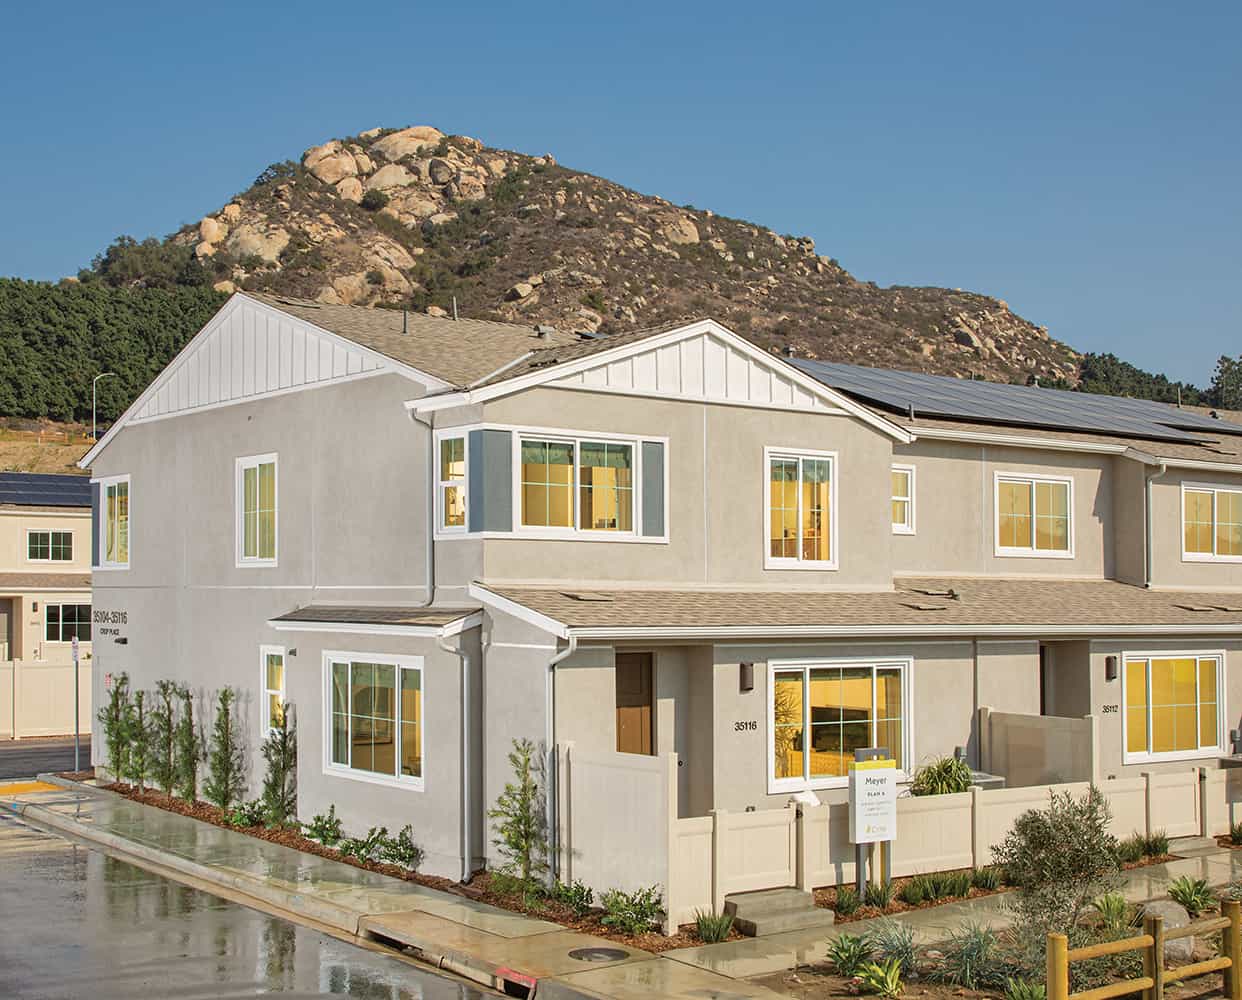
494	947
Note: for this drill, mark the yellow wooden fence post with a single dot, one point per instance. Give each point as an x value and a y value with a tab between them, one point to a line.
1231	948
1058	967
1154	926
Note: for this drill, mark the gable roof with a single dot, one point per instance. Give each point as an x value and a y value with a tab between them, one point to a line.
34	489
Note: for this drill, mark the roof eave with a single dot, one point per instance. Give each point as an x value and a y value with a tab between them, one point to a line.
445	631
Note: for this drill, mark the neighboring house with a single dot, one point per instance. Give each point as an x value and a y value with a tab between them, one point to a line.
45	600
435	537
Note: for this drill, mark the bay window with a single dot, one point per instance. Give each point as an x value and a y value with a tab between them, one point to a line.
375	717
580	484
1174	705
1034	516
452	484
801	498
1211	524
821	712
256	511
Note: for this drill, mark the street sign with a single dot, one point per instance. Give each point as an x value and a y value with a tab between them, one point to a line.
873	801
77	705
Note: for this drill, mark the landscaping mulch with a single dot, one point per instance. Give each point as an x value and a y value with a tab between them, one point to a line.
478	888
827	898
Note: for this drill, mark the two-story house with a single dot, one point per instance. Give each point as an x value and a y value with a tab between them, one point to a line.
435	537
45	600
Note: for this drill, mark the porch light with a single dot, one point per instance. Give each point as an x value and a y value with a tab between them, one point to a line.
746	676
1110	668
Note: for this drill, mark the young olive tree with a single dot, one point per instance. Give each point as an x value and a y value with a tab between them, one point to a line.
520	824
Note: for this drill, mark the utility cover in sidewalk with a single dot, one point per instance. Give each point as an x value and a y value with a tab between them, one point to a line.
599	954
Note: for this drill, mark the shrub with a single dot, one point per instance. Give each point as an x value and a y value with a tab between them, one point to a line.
366	848
1192	893
375	276
402	850
914	892
848	953
1025	989
881	978
633	912
972	959
847	901
374	200
188	748
943	776
113	717
280	779
1156	845
137	730
892	940
1113	910
575	896
326	828
226	763
1130	850
248	814
162	742
879	896
521	838
986	879
712	927
1091	973
956	883
1235	833
1060	858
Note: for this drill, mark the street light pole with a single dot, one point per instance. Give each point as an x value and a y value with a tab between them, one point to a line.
94	383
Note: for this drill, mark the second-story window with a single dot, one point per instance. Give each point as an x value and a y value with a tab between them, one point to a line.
903	499
114	523
1211	524
452	484
256	510
582	484
801	500
1033	516
49	546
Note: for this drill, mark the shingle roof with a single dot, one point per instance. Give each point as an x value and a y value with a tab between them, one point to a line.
44	581
388	615
36	489
1093	605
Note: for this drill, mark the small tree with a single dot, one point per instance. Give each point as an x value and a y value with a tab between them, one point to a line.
226	761
137	726
521	832
280	781
162	734
187	748
114	717
1226	391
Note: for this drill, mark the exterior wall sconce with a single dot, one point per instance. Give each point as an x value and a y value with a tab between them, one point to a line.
293	651
1110	668
746	676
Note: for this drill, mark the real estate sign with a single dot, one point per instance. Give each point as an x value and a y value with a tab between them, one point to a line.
873	801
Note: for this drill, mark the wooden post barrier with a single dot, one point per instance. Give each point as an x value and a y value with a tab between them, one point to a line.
1058	967
1231	948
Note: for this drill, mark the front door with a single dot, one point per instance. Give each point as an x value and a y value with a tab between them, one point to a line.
634	703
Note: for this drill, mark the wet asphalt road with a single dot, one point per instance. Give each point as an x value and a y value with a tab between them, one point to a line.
26	758
75	923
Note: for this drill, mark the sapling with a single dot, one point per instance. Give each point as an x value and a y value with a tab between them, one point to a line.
188	748
114	717
225	785
137	725
280	780
163	737
521	837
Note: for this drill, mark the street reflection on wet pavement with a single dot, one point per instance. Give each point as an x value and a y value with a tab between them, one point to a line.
77	923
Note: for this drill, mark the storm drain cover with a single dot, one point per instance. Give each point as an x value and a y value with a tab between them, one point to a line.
599	954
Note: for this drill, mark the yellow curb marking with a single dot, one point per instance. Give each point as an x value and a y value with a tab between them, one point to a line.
22	787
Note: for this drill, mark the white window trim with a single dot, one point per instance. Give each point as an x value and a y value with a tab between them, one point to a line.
1212	488
780	786
240	467
49	532
102	526
1222	696
449	434
776	562
908	527
61	604
1009	552
264	652
333	770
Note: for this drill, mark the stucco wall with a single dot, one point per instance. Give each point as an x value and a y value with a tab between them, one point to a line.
1169	568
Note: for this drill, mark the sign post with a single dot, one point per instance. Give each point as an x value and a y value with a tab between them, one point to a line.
77	705
873	810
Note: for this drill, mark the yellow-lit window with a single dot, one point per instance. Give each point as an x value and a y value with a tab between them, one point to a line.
1212	523
273	686
606	486
1033	515
453	483
600	473
116	523
548	484
257	509
822	714
902	500
376	718
800	497
1171	705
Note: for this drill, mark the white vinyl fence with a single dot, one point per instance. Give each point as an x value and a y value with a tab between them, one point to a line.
36	699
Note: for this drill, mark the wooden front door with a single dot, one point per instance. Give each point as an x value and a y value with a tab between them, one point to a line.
634	703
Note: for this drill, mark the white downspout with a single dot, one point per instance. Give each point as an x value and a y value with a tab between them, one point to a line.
431	506
466	843
1148	478
551	780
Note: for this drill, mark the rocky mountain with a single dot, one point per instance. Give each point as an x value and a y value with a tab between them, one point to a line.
419	219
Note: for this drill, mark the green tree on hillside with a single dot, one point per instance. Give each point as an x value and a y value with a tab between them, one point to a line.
1226	391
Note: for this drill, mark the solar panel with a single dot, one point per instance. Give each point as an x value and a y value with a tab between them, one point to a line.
31	489
1018	405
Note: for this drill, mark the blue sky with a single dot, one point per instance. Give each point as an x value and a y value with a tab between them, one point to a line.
1081	161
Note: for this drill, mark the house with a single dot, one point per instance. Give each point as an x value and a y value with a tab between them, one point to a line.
45	601
683	562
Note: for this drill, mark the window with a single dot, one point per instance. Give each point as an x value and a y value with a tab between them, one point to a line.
1211	524
1033	516
62	622
601	473
256	511
801	499
1173	709
375	717
114	516
820	713
49	546
903	499
273	669
452	486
